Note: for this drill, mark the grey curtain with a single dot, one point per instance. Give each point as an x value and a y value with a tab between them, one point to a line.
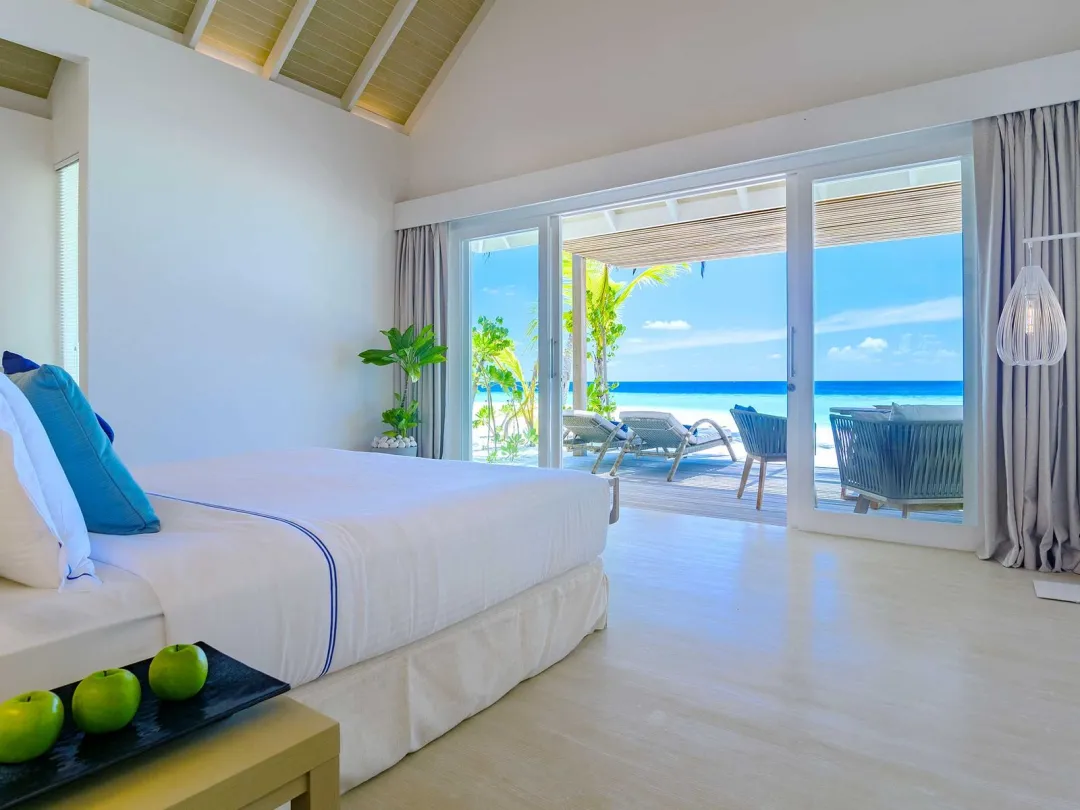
1027	170
420	299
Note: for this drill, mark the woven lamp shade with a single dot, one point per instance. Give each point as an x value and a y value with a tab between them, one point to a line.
1031	330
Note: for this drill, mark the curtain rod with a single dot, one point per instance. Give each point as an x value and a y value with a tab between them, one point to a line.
1031	240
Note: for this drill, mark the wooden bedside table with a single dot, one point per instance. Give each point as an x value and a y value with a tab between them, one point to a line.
259	759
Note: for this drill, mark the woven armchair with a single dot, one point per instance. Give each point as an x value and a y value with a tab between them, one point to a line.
765	438
906	464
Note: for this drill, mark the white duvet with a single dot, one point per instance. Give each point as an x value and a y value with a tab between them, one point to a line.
304	562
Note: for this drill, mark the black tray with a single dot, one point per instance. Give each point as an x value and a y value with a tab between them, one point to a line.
230	687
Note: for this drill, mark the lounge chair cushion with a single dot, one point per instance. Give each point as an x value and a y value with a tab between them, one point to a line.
872	416
601	422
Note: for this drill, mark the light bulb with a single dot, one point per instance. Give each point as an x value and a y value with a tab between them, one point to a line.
1031	304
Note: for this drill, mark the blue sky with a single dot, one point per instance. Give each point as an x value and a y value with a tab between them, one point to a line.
883	311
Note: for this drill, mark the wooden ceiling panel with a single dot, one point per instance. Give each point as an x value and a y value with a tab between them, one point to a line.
172	14
247	28
420	49
332	45
327	44
26	70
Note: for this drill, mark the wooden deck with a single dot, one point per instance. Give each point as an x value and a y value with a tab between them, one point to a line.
706	485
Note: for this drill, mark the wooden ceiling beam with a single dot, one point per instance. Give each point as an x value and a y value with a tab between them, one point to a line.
394	23
287	38
196	24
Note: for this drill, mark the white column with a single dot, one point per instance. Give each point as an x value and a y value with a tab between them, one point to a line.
580	336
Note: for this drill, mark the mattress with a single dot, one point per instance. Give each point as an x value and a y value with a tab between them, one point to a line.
49	638
306	562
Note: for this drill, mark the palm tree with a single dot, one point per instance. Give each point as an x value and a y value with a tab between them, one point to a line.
604	300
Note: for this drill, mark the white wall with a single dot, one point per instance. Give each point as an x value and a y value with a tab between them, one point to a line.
548	84
69	102
239	247
28	323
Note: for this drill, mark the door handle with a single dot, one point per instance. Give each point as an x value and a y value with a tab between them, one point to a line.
791	354
555	359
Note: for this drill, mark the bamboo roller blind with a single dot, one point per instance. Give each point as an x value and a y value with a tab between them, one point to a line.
880	217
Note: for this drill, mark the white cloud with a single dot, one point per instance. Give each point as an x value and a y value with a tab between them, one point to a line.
847	353
869	349
718	337
933	311
924	349
667	326
775	356
873	344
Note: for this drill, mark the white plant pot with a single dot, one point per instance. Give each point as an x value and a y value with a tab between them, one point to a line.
409	452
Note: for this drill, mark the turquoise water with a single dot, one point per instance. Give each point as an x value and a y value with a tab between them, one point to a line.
711	398
693	400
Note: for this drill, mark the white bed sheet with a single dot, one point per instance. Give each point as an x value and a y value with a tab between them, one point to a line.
378	553
49	638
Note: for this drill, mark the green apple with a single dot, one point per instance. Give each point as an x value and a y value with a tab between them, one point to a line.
106	701
178	672
29	725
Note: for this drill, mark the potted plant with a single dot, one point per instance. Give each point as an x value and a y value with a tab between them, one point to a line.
410	350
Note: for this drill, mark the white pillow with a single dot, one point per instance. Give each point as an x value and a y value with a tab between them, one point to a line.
32	475
928	413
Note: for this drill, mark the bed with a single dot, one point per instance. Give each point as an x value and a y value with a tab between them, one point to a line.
399	596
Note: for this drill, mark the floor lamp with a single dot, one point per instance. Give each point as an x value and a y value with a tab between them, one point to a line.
1031	332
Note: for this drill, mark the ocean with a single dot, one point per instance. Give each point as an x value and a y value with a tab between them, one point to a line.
708	397
693	400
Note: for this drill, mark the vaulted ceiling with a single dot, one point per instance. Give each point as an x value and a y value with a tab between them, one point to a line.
378	56
26	70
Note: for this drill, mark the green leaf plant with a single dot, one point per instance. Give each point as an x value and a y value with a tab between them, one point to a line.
411	351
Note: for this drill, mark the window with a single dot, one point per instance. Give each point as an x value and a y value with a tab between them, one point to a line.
67	198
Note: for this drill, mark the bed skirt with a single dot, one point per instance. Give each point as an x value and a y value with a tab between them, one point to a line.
399	702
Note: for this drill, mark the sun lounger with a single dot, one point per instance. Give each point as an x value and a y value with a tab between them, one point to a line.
661	434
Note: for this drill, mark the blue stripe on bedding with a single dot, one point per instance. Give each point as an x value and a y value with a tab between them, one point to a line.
331	564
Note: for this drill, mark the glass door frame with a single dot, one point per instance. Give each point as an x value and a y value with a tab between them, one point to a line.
802	513
460	319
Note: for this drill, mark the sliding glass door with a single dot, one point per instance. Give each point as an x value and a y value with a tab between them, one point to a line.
882	379
506	342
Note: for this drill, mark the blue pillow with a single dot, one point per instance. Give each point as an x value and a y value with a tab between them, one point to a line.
16	363
748	408
111	501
